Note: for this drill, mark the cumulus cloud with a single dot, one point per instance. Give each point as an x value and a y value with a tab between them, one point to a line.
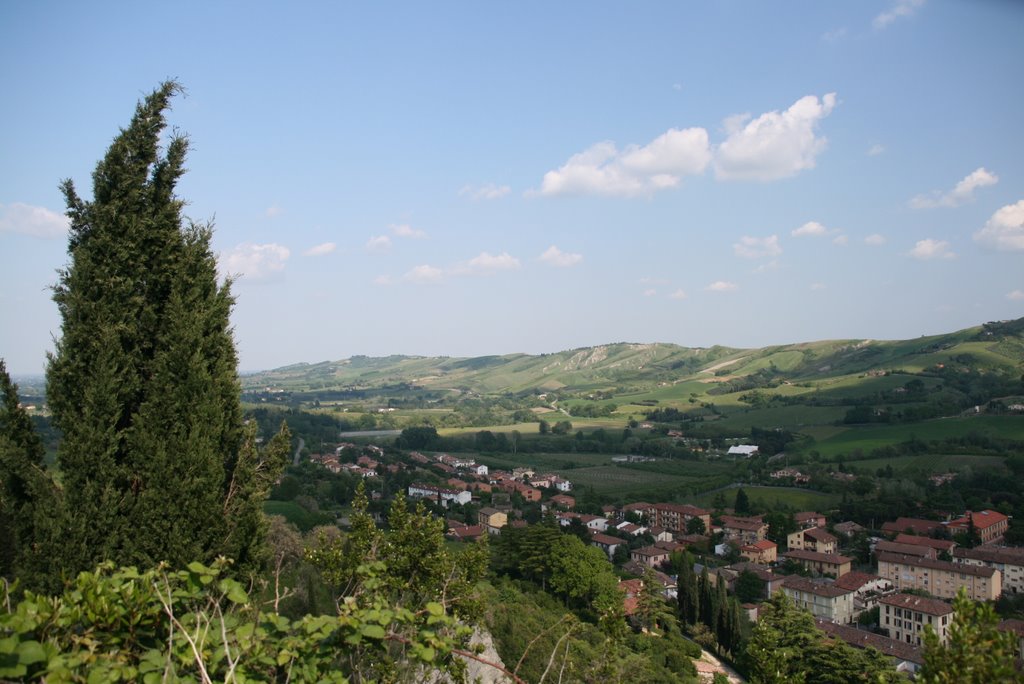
556	257
876	150
255	261
963	191
774	145
382	280
757	248
378	243
320	250
636	170
1016	295
488	191
424	274
406	231
927	250
810	229
900	9
722	286
650	292
678	294
874	240
29	220
488	264
1005	229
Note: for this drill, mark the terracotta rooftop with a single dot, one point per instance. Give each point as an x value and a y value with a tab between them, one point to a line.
828	590
855	580
917	540
919	603
976	570
814	556
992	554
862	639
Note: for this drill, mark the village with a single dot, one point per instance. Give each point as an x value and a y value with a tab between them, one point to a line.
883	599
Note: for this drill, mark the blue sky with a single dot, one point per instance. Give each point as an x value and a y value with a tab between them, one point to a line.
483	178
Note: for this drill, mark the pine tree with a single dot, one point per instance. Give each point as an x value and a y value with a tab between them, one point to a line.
143	383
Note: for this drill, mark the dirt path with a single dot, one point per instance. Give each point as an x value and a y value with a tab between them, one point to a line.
708	665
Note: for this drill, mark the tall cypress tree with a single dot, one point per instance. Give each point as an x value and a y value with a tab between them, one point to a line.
27	493
143	383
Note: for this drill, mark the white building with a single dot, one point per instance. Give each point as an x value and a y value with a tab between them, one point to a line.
442	495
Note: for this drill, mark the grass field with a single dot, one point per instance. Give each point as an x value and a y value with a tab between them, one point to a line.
868	438
627	483
777	497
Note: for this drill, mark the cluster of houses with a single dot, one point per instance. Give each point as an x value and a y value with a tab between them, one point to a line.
364	466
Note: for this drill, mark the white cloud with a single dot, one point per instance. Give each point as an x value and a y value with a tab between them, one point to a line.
650	292
963	191
834	36
406	231
29	220
273	211
810	229
1005	229
424	274
382	280
757	248
677	86
722	286
634	171
876	150
255	261
774	145
840	240
772	265
488	191
556	257
678	294
488	264
1016	295
901	8
320	250
378	243
874	240
929	249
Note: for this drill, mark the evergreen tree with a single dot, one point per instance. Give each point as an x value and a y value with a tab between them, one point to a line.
143	383
742	505
976	652
689	602
26	492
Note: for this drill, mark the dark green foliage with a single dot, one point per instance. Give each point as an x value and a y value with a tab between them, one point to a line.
143	383
787	648
26	491
742	505
976	652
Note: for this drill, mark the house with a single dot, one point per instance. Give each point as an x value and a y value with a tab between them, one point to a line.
867	589
884	546
1008	561
744	530
762	552
907	658
821	563
606	543
940	545
743	450
917	526
990	525
456	483
480	470
631	591
561	484
940	578
492	519
562	501
822	599
805	519
651	556
812	539
905	616
442	495
847	529
630	529
791	474
465	532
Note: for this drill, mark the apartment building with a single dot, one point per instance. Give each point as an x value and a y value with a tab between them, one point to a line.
940	578
906	615
822	599
1008	561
